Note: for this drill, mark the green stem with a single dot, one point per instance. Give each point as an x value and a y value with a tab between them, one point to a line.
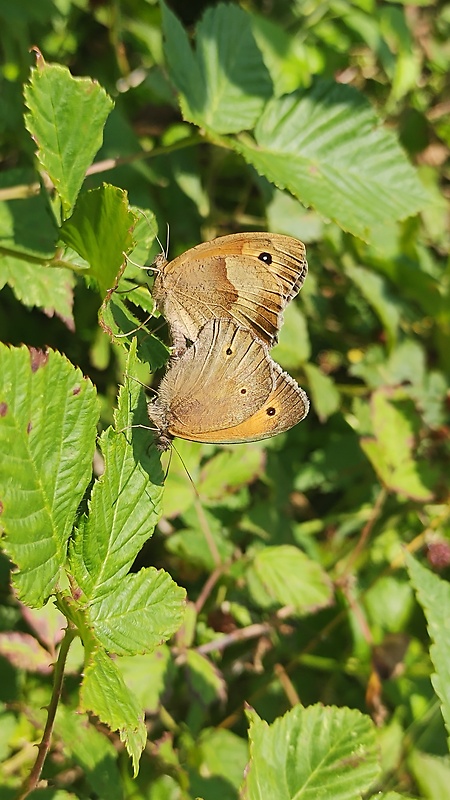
112	163
52	263
43	747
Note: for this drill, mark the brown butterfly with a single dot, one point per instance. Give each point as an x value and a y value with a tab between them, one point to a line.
226	389
246	277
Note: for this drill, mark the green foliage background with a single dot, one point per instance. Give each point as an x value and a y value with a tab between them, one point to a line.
325	121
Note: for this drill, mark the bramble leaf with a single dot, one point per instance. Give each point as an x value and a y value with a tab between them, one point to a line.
312	752
142	612
104	693
285	576
330	150
66	121
125	501
225	83
100	231
48	419
433	594
391	451
44	287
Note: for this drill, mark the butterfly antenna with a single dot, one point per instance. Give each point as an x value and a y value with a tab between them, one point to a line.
186	470
144	214
163	252
167	241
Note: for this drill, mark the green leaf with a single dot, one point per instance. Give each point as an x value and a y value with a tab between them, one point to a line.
325	398
225	83
431	773
285	576
178	489
121	323
310	753
286	215
27	224
330	150
144	232
24	652
183	66
406	364
228	470
103	692
389	603
220	752
206	680
125	501
391	452
48	288
100	231
92	750
66	121
376	291
48	418
294	346
203	542
395	796
433	594
141	613
285	55
146	676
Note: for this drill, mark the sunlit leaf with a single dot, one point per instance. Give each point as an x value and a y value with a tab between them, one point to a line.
125	501
433	594
312	752
66	121
104	693
285	576
100	231
392	450
224	83
329	149
48	422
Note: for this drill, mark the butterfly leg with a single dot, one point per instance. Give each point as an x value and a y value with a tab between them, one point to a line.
179	343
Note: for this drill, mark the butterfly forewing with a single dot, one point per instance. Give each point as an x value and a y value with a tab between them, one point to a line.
245	277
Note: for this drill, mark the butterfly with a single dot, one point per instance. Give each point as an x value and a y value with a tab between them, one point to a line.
245	277
224	389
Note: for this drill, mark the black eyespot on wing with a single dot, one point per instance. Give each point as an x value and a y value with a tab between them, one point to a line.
229	351
243	390
271	411
266	257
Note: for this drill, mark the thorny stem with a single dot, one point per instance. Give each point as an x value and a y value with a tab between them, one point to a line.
43	747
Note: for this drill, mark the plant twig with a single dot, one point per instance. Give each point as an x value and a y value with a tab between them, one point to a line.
365	533
239	635
43	747
112	163
209	586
